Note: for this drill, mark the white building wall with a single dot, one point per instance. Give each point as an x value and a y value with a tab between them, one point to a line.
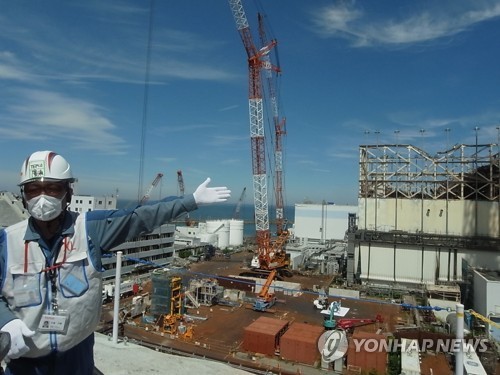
384	262
430	216
486	294
85	203
322	222
406	264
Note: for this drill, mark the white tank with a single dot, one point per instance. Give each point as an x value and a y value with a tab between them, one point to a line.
236	232
224	235
210	238
221	229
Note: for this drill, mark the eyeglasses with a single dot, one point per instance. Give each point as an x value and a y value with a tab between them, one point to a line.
54	189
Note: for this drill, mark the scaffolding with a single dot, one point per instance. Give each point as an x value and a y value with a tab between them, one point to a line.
464	172
206	291
166	297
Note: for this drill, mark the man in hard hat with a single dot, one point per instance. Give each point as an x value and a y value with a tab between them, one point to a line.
50	266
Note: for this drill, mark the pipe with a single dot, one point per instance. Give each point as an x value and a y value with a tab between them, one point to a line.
117	296
459	354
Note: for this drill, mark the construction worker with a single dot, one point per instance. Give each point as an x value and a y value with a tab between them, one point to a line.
50	266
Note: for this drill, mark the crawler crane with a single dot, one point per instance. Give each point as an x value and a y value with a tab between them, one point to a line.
269	255
266	300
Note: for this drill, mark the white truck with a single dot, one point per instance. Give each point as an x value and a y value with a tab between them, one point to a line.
127	289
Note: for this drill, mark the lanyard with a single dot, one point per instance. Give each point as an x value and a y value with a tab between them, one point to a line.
50	271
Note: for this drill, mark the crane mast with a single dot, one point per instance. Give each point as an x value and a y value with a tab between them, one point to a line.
268	256
256	112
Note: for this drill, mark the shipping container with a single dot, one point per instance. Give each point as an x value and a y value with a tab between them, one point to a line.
300	343
373	359
263	335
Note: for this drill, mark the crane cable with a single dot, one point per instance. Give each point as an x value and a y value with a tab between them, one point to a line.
145	102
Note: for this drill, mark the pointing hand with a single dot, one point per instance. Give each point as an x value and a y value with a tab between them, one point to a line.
206	195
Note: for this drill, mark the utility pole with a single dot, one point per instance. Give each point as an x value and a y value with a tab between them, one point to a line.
476	187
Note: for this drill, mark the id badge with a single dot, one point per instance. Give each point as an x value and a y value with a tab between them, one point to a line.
53	323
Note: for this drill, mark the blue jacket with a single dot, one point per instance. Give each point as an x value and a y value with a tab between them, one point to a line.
104	230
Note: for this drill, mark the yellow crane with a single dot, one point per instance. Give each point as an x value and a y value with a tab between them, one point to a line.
484	319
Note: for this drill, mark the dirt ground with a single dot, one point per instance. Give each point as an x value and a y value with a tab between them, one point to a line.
218	330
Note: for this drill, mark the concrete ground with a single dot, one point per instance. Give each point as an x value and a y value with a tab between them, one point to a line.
124	358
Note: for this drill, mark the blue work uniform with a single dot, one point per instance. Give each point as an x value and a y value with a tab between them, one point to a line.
61	282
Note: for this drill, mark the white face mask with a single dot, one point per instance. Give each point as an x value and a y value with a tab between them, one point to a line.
45	207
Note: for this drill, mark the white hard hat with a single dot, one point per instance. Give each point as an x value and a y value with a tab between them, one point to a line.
45	165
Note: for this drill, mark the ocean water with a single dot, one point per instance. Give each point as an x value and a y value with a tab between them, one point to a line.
226	211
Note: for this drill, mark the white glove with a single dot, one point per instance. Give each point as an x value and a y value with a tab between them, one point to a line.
17	329
206	195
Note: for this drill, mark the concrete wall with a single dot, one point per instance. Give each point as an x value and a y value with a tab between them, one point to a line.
423	264
322	222
462	218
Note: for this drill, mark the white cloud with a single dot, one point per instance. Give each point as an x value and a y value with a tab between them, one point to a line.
38	114
441	19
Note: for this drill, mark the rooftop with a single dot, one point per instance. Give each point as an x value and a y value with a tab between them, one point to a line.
125	358
11	209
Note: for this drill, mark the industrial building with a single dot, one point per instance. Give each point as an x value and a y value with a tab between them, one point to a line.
430	223
84	203
318	236
425	219
320	223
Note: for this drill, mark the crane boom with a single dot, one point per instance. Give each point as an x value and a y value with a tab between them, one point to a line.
279	131
484	319
157	179
236	214
180	182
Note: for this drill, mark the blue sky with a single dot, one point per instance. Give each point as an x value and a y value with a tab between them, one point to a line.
73	80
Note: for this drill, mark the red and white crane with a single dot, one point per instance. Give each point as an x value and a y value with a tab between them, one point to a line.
268	256
279	132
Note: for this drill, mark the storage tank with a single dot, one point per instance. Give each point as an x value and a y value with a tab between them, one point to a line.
221	228
236	232
209	238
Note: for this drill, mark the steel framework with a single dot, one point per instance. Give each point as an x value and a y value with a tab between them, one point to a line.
464	172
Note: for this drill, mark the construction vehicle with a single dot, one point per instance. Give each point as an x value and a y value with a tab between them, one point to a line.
483	318
265	300
346	323
167	323
268	256
127	289
321	302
